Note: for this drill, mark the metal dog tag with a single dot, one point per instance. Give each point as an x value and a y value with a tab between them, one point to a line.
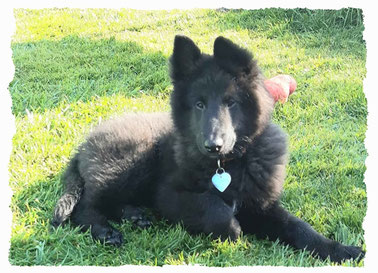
221	179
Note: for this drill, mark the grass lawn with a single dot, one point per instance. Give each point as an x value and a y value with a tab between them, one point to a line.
77	67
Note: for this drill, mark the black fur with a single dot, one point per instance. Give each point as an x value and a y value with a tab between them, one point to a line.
220	111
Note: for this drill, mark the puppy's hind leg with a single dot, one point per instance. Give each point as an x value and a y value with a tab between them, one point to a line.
87	216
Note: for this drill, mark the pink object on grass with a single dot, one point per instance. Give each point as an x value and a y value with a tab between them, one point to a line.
280	87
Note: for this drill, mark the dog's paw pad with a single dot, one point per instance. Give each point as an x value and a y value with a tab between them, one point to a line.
114	238
107	235
143	223
137	216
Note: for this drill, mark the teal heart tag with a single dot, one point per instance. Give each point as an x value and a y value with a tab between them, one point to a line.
221	180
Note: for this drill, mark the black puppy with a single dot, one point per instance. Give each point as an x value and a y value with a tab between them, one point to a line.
216	164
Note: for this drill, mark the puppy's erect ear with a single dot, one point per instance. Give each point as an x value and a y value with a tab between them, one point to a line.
231	57
185	55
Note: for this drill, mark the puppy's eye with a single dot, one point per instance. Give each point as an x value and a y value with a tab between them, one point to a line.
231	103
200	105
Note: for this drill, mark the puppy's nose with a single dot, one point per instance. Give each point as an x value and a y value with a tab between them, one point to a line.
213	146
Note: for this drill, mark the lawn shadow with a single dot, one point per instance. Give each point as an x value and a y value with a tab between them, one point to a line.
76	69
274	22
328	28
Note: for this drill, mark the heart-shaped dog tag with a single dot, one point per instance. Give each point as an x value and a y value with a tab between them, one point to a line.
221	180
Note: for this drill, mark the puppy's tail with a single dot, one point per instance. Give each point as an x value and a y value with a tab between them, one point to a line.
71	196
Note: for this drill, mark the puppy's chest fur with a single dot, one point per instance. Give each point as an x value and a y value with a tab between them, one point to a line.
249	177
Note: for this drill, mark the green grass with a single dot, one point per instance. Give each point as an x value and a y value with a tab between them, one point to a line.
77	67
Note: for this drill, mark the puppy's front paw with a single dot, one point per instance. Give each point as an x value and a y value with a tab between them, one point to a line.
339	253
234	230
344	252
227	230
